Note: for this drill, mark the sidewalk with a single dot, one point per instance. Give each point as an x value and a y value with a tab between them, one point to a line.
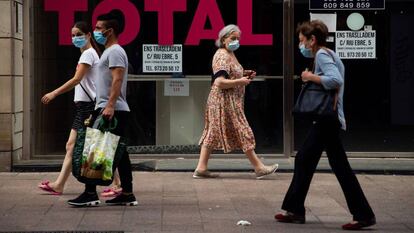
174	202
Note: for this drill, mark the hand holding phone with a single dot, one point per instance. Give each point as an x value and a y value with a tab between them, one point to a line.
250	73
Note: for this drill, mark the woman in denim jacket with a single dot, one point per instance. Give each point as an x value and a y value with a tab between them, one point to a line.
324	135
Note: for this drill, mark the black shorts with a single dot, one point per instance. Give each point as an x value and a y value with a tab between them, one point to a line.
82	112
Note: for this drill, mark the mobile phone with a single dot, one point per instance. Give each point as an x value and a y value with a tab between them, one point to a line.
250	74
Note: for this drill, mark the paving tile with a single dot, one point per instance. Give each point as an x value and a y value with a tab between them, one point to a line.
180	200
22	221
222	226
209	215
183	228
142	227
181	215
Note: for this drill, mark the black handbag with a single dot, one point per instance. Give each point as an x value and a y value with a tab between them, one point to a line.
315	101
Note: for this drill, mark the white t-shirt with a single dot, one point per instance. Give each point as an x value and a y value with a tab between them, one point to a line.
91	58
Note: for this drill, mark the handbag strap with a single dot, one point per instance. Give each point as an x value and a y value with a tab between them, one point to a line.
330	54
337	89
87	93
107	125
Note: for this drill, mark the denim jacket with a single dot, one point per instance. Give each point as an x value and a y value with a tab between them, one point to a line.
330	68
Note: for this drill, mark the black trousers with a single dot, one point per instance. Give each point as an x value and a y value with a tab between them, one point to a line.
324	135
124	167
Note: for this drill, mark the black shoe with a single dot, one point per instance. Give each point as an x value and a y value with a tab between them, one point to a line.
123	199
85	199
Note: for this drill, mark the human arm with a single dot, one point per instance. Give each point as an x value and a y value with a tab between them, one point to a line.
330	77
82	69
223	83
309	76
117	78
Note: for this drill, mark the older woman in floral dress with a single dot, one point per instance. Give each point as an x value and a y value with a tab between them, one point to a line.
226	127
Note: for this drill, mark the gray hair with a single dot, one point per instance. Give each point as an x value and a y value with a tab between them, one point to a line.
225	32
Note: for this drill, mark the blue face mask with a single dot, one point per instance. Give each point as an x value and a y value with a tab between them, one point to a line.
234	45
99	37
306	52
79	41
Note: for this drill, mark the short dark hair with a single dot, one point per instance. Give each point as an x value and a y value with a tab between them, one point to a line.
314	28
114	20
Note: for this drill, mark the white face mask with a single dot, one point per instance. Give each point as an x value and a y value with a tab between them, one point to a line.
234	45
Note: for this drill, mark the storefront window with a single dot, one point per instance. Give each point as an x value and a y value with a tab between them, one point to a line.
379	103
160	123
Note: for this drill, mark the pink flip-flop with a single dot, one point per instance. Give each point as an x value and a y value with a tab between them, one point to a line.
107	190
111	192
45	187
44	182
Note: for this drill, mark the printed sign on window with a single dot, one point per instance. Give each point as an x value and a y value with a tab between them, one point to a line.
162	58
355	44
176	87
346	4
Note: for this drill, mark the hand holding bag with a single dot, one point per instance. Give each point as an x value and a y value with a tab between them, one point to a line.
97	153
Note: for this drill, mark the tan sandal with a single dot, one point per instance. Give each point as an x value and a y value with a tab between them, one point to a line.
266	170
204	174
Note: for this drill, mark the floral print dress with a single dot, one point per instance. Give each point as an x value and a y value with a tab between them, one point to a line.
226	127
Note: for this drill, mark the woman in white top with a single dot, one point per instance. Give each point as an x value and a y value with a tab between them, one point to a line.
84	83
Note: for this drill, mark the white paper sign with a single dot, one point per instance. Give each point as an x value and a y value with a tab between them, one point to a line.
328	19
162	58
356	44
176	87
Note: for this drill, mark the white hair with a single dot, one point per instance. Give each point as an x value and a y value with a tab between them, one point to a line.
225	32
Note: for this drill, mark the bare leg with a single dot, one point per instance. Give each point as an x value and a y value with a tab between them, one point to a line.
115	189
117	180
202	167
254	160
59	184
204	157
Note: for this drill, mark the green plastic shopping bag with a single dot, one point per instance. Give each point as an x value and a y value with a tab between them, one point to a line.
97	153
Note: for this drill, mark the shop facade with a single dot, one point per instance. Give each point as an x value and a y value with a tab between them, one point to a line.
167	101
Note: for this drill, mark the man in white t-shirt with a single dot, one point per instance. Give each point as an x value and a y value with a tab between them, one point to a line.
111	102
